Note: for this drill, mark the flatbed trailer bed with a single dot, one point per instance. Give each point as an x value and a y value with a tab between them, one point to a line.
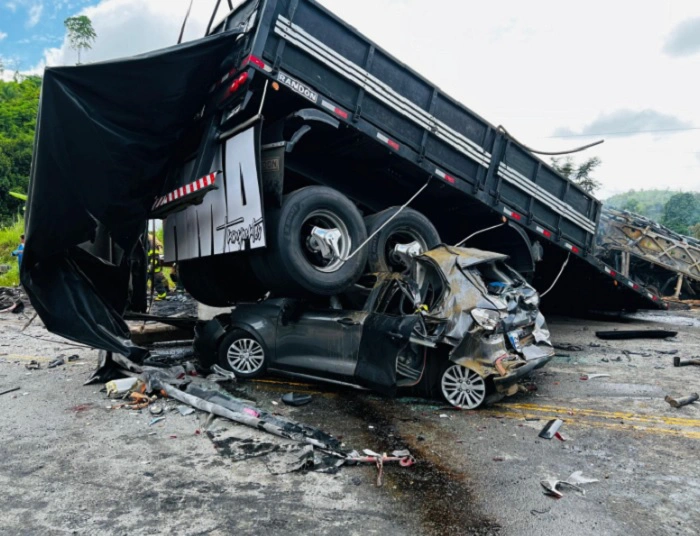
410	131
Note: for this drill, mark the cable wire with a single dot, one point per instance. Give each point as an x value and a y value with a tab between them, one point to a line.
184	22
458	244
558	276
502	129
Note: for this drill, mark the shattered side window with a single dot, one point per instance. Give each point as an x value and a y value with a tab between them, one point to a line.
497	275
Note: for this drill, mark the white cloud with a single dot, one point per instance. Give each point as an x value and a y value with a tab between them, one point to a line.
35	12
128	27
11	6
534	67
3	35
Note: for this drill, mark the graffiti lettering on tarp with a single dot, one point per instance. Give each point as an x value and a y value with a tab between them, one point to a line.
239	236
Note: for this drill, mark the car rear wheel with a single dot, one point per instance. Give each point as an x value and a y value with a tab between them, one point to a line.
409	229
243	354
310	239
463	387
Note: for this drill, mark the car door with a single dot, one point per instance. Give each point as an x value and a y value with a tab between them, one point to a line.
318	341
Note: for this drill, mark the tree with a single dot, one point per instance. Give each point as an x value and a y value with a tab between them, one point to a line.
681	213
81	34
695	231
580	174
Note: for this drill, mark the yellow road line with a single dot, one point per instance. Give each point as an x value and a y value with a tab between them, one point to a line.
571	421
613	415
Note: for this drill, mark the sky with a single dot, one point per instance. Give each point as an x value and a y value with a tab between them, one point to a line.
556	75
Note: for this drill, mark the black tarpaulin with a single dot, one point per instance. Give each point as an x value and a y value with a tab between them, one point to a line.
105	135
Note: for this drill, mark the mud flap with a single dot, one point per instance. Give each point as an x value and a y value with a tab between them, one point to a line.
384	337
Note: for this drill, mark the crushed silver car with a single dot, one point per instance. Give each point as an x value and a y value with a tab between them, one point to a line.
459	323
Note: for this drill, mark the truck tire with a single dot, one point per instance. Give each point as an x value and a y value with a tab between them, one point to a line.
409	226
221	280
296	264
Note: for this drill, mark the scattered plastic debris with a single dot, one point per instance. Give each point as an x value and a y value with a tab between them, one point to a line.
678	362
680	402
585	377
551	429
568	347
156	409
294	399
156	420
552	486
185	410
121	386
12	390
33	365
59	361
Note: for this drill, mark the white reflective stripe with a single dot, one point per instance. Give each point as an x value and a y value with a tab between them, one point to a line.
195	186
382	137
328	106
507	211
201	183
187	189
545	197
440	173
364	79
385	93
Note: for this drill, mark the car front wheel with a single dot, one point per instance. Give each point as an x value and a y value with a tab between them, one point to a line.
243	354
463	387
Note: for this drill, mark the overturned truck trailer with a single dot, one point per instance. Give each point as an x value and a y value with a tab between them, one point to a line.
282	152
649	253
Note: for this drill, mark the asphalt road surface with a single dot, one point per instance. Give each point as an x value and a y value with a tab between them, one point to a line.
70	465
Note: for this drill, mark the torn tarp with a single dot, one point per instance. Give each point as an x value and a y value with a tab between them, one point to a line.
104	137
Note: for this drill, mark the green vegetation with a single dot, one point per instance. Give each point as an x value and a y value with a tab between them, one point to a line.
676	210
9	240
19	102
581	174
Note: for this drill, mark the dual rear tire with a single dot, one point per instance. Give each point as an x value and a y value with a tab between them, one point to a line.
312	250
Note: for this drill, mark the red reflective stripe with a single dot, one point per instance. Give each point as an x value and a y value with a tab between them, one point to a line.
255	61
393	144
450	178
575	249
341	113
547	233
516	216
635	287
212	176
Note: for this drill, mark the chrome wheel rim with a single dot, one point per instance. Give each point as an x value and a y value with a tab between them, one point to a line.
245	356
314	252
401	237
463	388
